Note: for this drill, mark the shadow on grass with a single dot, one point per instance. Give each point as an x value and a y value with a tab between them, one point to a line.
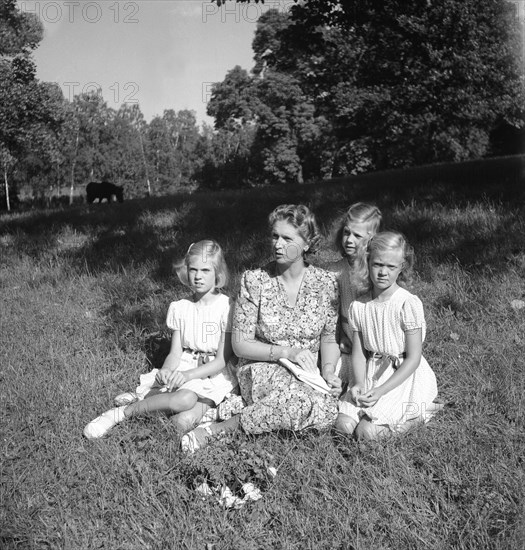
156	231
470	213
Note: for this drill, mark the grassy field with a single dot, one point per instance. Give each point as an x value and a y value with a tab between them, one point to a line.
84	293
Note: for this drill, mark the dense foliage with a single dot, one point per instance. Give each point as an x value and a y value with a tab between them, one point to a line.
31	112
374	85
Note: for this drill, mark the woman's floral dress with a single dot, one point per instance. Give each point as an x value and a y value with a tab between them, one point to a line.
275	399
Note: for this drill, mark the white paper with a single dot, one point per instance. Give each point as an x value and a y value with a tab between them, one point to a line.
314	380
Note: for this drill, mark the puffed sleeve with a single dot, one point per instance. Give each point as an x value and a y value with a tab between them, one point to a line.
412	314
332	304
247	305
353	316
173	316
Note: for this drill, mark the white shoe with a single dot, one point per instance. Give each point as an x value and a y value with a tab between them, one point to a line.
126	398
195	440
102	424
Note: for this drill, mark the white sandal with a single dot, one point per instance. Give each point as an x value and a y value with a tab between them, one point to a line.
195	440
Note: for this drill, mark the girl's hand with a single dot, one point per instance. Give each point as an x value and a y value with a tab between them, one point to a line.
304	358
335	384
176	379
162	376
356	392
371	397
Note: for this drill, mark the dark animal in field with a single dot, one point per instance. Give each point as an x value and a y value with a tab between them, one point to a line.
104	190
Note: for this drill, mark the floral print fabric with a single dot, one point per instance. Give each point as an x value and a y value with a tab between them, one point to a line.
275	398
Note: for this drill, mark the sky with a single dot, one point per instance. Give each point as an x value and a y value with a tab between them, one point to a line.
163	54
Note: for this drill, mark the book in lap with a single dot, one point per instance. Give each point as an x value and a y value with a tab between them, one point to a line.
314	380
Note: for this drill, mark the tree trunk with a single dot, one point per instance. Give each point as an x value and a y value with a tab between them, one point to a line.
7	202
72	187
148	186
57	182
300	178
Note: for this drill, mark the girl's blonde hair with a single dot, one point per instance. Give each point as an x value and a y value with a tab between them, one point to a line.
386	240
359	212
207	250
302	218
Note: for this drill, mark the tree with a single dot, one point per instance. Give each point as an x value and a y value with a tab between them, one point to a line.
19	32
406	83
31	112
86	133
173	140
234	107
271	109
40	160
134	145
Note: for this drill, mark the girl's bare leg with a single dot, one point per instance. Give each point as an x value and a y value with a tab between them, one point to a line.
344	424
176	402
187	420
368	431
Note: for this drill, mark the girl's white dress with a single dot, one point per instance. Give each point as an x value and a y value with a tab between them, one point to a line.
200	327
383	326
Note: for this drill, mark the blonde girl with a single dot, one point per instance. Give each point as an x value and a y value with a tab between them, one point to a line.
359	223
393	387
195	375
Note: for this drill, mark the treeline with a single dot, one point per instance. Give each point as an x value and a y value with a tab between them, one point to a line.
347	86
337	88
51	148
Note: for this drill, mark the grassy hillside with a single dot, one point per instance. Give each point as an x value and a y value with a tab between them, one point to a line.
84	293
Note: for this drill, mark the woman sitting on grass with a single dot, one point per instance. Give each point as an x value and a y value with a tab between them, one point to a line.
394	387
285	310
195	374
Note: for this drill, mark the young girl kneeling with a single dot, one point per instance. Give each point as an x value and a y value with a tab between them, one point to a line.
394	387
195	374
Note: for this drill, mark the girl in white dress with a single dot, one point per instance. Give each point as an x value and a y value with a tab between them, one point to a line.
394	387
195	374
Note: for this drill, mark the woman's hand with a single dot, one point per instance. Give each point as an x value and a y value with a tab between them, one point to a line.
304	358
335	384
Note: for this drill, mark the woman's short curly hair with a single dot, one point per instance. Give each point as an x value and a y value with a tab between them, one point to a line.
302	218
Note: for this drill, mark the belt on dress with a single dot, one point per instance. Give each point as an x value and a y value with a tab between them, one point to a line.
386	361
202	357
